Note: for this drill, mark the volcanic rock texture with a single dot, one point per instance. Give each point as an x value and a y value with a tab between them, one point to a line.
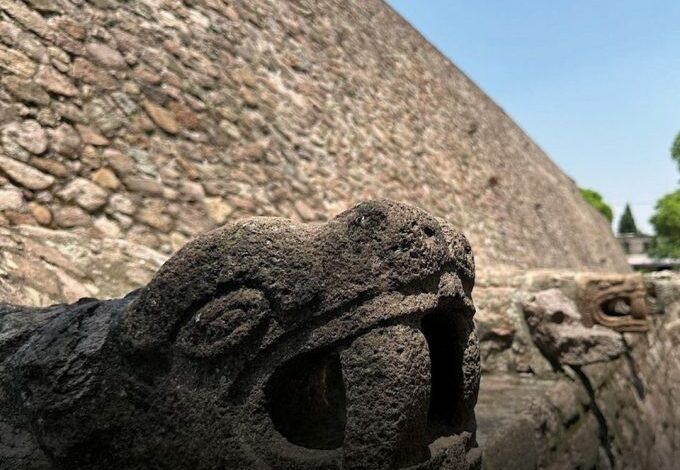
156	120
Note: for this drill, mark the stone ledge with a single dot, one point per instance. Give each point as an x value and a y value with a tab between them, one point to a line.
41	267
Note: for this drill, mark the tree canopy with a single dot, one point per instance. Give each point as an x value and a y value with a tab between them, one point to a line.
627	222
666	218
595	199
666	222
675	149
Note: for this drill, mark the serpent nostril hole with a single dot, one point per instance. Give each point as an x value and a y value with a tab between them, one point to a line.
446	359
306	401
558	317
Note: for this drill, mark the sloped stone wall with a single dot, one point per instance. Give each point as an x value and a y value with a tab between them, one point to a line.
155	120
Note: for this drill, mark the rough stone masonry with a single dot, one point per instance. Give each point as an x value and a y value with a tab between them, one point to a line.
138	125
263	344
156	120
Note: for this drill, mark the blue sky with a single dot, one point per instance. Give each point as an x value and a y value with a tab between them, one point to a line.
595	83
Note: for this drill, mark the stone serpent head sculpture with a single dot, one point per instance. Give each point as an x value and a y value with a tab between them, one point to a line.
616	301
263	344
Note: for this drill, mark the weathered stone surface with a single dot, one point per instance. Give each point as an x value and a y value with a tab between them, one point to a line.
27	17
50	166
31	136
264	344
192	191
26	90
10	147
507	341
558	331
218	210
47	117
89	73
122	164
162	117
520	423
305	212
91	135
107	227
16	62
42	267
122	204
153	215
55	82
69	111
41	213
66	141
46	6
144	185
106	179
86	194
664	289
25	175
11	199
105	55
19	217
72	28
71	216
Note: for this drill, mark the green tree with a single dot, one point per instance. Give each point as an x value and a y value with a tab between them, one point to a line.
627	222
675	149
666	222
595	199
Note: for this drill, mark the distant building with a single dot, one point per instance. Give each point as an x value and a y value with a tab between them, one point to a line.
635	243
636	246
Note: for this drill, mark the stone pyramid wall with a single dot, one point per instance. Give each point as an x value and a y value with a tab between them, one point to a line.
154	120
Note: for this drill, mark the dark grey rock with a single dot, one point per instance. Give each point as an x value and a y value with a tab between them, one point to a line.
263	344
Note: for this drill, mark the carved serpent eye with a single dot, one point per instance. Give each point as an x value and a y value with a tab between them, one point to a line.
224	323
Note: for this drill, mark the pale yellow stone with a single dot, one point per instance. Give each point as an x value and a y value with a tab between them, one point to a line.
40	213
106	179
218	210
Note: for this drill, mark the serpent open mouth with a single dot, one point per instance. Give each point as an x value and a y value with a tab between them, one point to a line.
393	392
